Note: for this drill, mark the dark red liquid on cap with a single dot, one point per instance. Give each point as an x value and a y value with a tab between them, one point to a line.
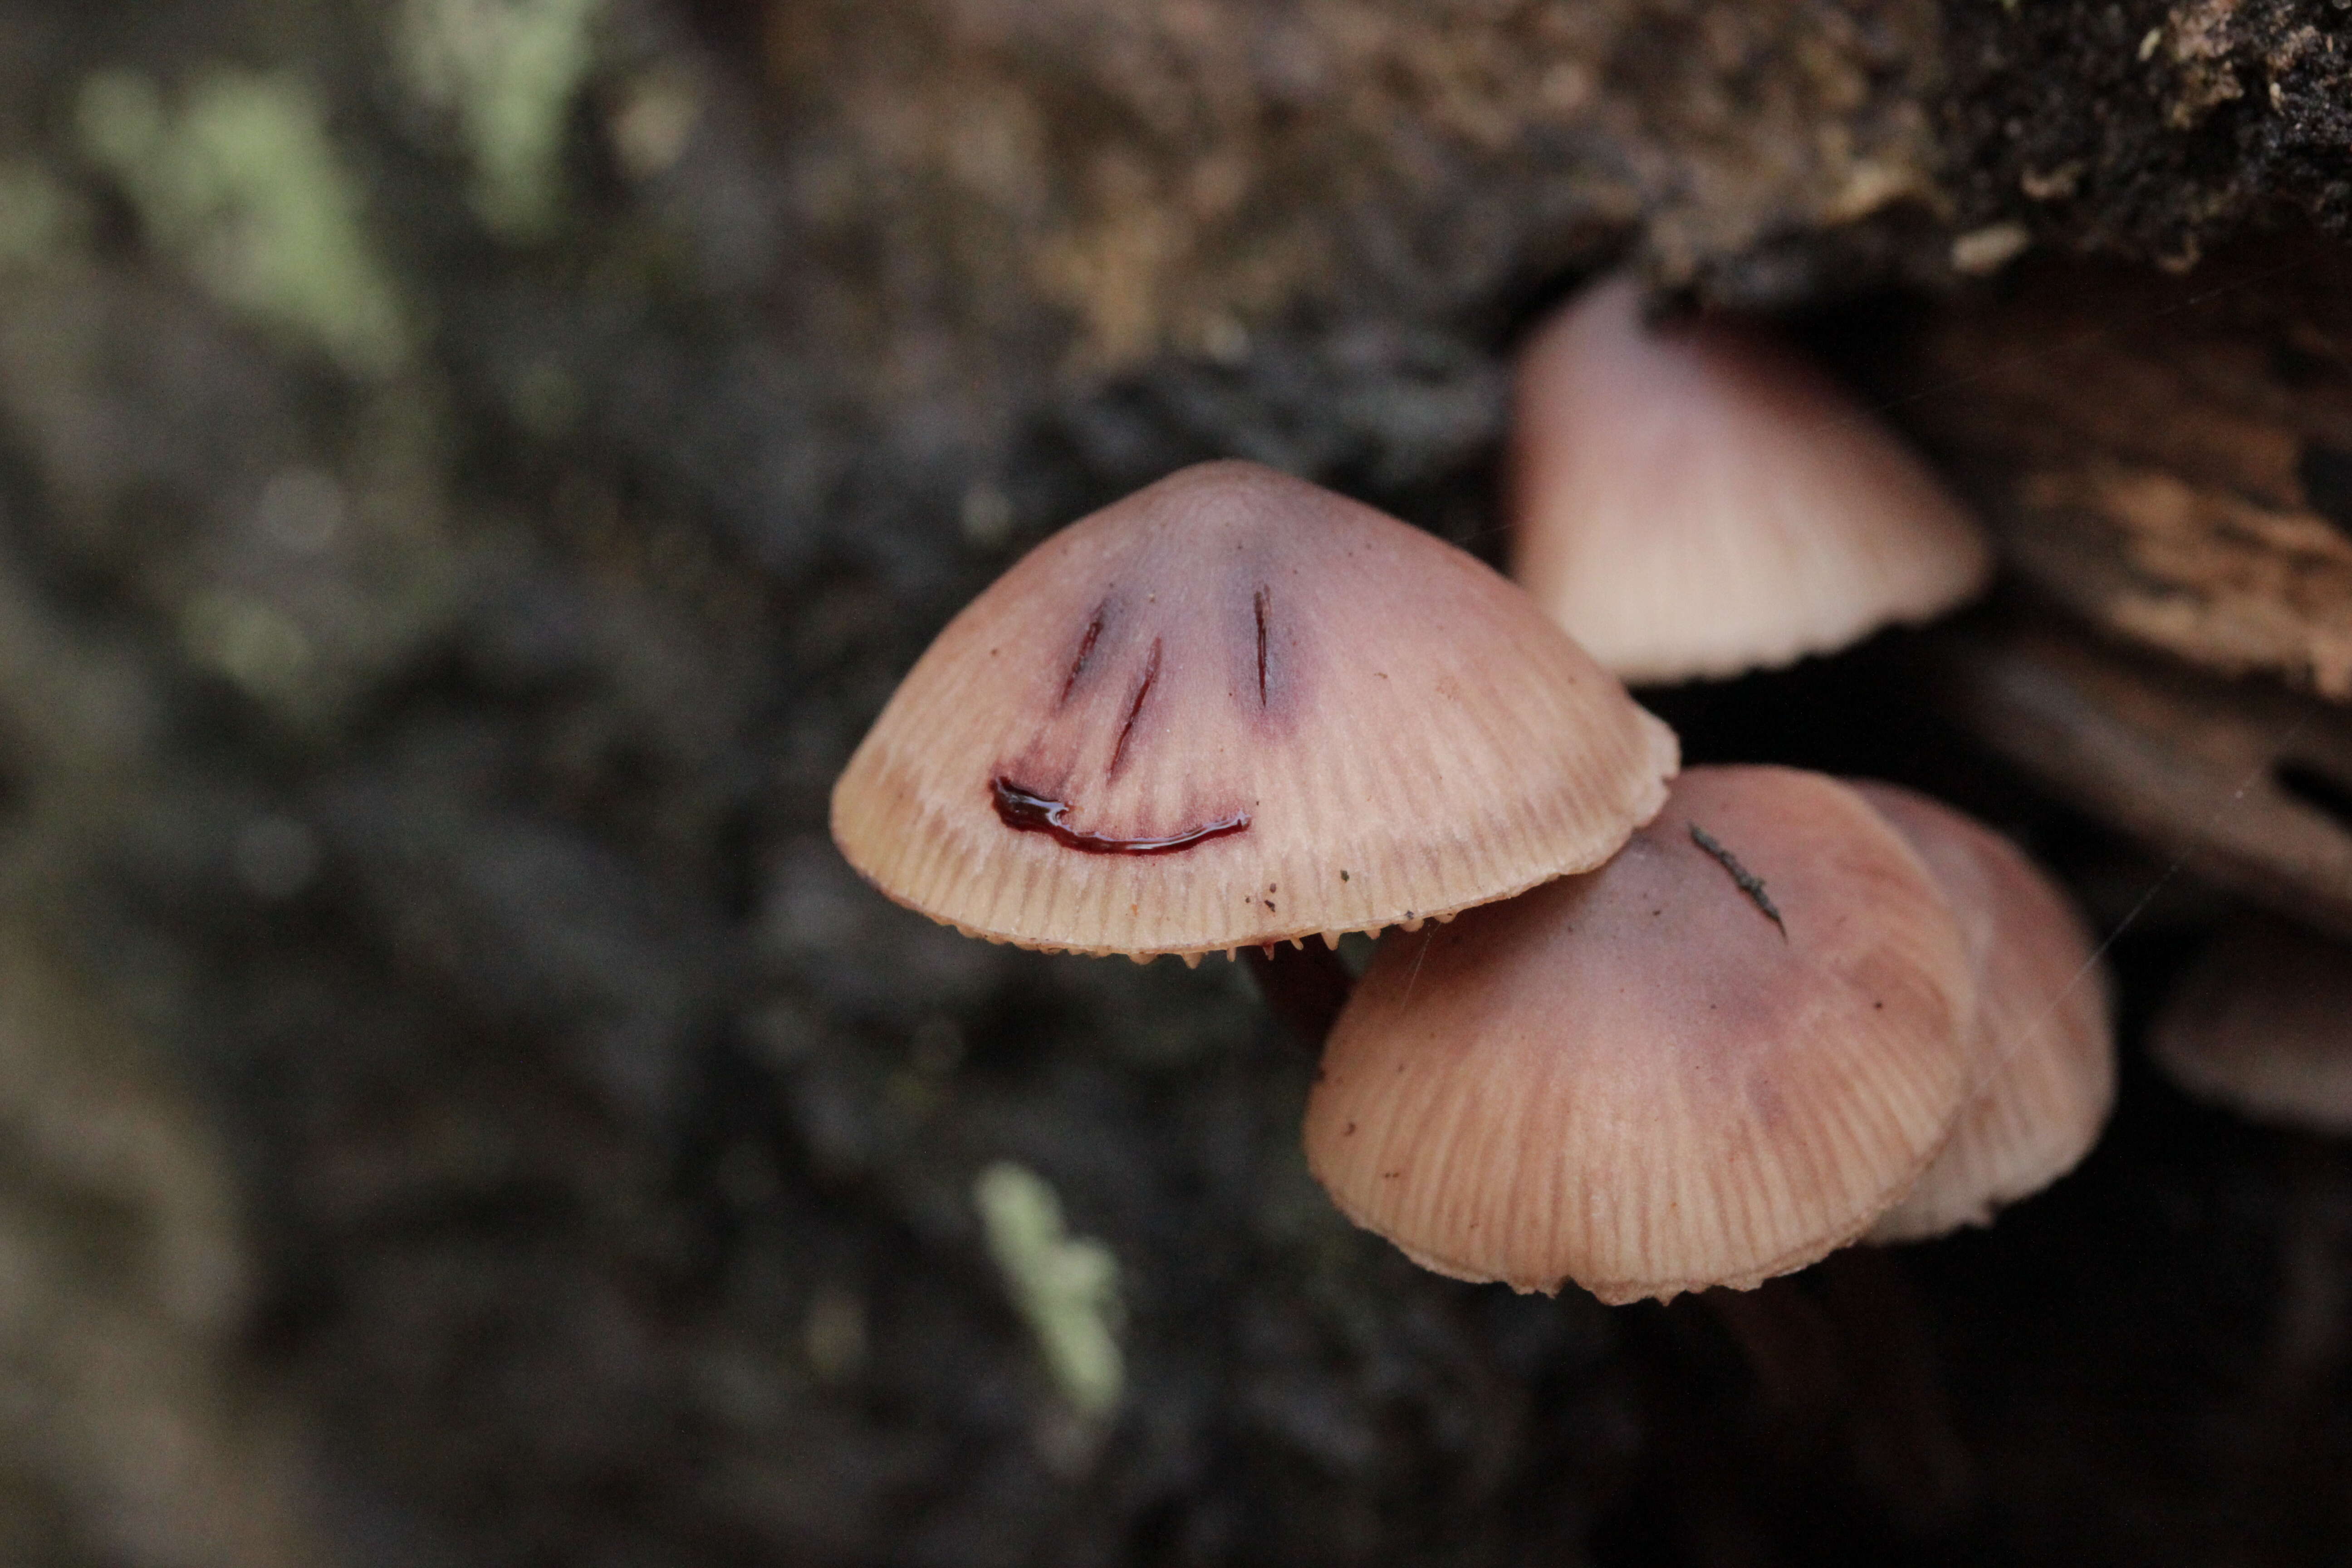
1025	811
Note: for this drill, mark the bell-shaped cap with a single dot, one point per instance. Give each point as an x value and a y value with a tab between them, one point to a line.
1693	499
1711	1061
2043	1038
1235	709
2262	1024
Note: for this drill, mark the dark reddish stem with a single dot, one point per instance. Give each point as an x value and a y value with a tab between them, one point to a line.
1304	986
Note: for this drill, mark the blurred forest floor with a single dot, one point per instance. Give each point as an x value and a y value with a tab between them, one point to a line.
470	470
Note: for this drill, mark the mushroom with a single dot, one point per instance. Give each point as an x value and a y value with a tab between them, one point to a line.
1713	1061
1691	500
1235	710
2247	783
2262	1024
2043	1042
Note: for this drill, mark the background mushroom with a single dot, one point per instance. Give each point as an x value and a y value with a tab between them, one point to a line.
2044	1041
2249	785
1690	499
2262	1024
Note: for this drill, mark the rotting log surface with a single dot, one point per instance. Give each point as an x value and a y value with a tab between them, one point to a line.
2171	458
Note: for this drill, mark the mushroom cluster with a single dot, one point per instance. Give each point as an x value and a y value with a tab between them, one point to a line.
1685	1033
1702	1067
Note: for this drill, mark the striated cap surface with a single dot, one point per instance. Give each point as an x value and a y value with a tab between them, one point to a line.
1695	500
2043	1038
1235	708
1645	1079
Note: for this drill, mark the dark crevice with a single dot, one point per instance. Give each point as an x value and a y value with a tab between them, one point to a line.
2321	791
2327	475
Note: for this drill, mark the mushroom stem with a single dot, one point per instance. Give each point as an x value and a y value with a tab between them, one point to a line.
1305	987
1845	1355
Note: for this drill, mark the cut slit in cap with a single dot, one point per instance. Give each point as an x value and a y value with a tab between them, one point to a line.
2262	1024
1711	1061
1693	500
2044	1044
1233	709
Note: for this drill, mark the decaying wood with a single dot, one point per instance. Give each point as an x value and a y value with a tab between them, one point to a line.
2172	458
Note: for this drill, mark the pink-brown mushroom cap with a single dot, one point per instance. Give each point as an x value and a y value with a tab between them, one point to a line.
1235	709
1695	500
1637	1079
2043	1032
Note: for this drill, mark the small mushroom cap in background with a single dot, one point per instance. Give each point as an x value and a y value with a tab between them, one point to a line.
2156	749
1235	709
2043	1035
1693	499
1634	1079
2262	1024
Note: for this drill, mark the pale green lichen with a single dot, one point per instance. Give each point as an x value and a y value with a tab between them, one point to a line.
251	642
505	71
243	185
1065	1287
